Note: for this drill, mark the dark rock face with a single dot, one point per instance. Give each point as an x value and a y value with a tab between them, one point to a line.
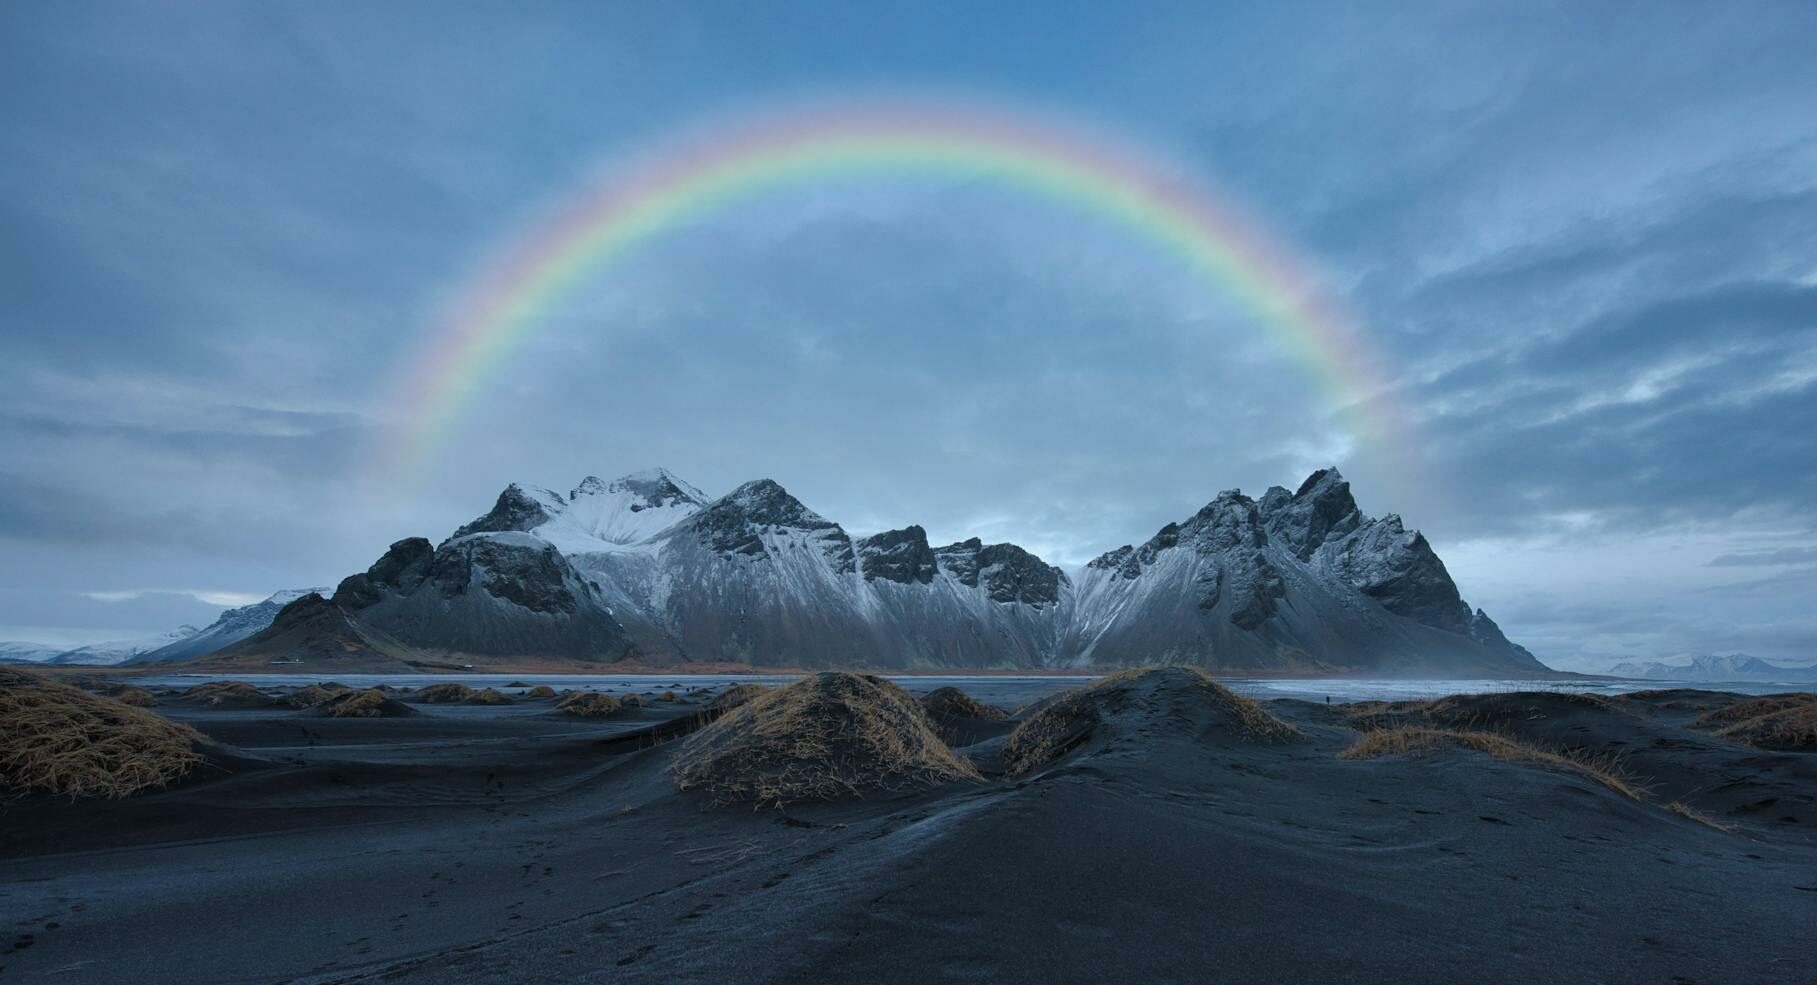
1321	524
901	556
1008	573
505	594
1322	510
539	579
735	524
402	568
516	509
1400	570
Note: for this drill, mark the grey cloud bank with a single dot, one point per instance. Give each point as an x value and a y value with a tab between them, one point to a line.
1583	240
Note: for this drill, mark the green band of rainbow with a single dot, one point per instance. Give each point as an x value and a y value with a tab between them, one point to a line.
629	209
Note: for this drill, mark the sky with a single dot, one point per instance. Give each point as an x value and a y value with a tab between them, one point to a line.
1579	242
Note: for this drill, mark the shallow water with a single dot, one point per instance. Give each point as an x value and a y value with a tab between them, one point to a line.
996	688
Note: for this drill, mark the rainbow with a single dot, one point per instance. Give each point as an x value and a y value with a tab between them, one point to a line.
734	162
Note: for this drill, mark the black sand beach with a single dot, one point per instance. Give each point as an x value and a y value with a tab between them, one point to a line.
516	843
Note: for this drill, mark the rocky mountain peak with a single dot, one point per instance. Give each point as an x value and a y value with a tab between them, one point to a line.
1007	572
901	556
649	489
402	568
517	508
737	522
1321	510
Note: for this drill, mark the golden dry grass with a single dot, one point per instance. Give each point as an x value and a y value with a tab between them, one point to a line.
633	701
1685	810
132	694
589	704
950	702
57	739
824	737
667	696
227	693
442	694
489	696
1061	723
734	696
1414	739
1780	721
540	691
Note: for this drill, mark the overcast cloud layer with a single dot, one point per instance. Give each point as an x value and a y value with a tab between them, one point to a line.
1582	240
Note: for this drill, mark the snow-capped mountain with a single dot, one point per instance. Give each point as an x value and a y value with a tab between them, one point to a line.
120	651
1296	581
18	652
233	626
1716	668
647	567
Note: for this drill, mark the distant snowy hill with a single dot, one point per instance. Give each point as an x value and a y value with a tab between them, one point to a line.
233	626
1716	668
119	651
646	567
14	652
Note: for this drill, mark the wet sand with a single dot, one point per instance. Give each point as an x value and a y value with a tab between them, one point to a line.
518	844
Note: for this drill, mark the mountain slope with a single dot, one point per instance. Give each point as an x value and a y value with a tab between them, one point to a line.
233	626
312	633
120	651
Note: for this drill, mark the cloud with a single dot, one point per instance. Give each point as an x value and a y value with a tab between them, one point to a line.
207	596
1773	558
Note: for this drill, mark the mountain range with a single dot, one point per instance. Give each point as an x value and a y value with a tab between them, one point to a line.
1716	668
649	570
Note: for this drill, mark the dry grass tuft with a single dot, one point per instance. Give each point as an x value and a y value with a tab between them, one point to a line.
633	701
825	737
734	696
1061	723
950	702
227	694
443	694
589	704
1779	721
132	694
540	691
57	739
668	696
1413	739
489	696
1685	810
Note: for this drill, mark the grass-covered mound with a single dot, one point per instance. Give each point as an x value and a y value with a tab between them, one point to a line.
226	694
1779	721
824	737
1499	710
1413	739
734	696
1137	705
950	702
540	691
57	739
589	704
315	694
442	694
489	696
132	694
370	703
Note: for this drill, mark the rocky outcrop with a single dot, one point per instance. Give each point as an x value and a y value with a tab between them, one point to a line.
902	556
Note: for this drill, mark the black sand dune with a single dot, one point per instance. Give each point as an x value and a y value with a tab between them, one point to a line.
1169	841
